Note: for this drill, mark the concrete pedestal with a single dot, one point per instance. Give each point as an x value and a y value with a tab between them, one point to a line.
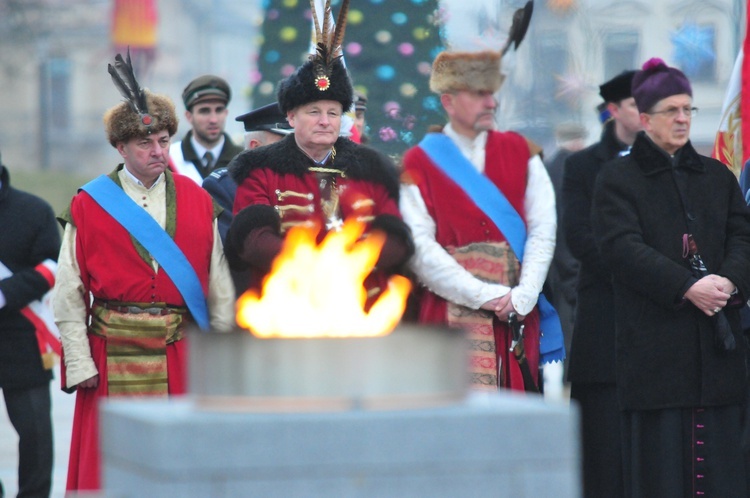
411	362
499	445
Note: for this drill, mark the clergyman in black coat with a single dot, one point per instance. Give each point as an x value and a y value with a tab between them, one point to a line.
681	393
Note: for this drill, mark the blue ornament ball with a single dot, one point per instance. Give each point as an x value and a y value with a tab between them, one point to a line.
385	72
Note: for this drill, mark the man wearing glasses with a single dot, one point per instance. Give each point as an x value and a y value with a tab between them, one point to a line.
680	389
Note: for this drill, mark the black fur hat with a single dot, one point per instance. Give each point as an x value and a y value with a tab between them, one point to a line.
305	86
618	88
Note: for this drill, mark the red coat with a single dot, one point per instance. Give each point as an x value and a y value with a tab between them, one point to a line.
113	269
460	222
276	191
132	278
298	201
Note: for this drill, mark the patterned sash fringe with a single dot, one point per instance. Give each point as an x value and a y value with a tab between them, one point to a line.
494	263
136	349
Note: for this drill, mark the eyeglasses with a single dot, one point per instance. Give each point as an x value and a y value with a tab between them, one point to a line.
673	112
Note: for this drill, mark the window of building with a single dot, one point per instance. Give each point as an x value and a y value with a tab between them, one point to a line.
620	53
56	85
550	62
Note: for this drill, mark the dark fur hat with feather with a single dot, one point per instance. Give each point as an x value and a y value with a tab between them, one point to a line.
323	76
142	112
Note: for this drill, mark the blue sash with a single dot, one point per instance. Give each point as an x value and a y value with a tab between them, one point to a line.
157	242
490	200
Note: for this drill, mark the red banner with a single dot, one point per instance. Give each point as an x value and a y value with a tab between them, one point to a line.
134	24
745	100
732	145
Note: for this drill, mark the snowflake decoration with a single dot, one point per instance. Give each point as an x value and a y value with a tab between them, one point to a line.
693	47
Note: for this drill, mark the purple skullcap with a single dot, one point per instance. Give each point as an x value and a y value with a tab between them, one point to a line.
656	81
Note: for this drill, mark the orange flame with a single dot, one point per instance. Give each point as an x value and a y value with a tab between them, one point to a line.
317	290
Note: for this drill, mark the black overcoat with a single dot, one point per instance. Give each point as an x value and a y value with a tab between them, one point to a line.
28	236
665	350
592	351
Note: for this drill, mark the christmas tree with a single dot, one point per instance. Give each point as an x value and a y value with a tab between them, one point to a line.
389	48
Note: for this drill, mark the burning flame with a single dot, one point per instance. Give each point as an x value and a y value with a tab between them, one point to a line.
317	290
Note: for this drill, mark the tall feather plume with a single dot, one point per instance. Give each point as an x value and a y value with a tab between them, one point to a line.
338	35
519	26
316	23
328	41
327	19
323	49
124	79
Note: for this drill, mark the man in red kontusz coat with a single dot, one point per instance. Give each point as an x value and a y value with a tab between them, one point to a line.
478	264
120	302
314	176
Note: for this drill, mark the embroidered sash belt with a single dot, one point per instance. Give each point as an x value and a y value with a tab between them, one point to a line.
150	308
137	346
490	262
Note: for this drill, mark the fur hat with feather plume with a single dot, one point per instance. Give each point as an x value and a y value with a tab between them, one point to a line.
454	71
141	113
323	76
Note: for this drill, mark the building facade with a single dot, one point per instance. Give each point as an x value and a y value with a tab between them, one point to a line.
54	53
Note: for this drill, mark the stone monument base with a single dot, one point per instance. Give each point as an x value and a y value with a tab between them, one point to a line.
496	445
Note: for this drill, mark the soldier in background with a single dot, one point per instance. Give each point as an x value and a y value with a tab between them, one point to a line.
206	146
263	126
591	366
560	287
360	108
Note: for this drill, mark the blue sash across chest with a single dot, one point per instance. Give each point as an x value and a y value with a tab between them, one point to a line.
157	242
489	199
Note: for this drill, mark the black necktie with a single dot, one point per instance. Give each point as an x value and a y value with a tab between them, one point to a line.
208	160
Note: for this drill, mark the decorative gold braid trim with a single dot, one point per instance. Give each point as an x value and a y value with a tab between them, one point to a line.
362	203
281	195
290	224
292	207
319	169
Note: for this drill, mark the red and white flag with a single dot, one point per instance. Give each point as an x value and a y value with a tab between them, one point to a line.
39	313
732	144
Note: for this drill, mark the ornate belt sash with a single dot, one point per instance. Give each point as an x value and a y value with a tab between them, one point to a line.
137	349
490	262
